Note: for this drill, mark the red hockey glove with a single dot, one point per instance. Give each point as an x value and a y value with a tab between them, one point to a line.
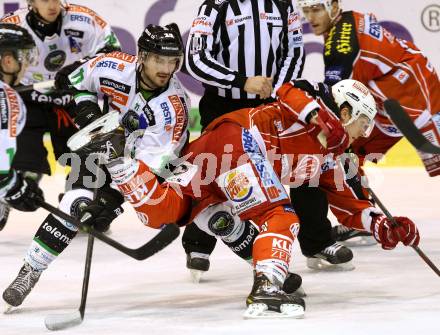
389	235
336	136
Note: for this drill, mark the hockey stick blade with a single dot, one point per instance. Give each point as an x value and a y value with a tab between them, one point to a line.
63	321
408	129
161	240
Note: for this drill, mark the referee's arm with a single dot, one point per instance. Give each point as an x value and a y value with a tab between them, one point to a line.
199	61
293	51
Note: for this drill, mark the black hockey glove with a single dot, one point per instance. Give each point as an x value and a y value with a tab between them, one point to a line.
86	113
103	210
62	81
25	194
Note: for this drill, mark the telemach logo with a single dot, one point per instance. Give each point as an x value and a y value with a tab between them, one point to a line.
56	233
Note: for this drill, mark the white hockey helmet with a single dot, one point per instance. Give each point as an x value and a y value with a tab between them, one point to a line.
358	96
326	3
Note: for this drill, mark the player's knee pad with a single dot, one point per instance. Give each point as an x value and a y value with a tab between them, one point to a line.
51	239
71	203
238	235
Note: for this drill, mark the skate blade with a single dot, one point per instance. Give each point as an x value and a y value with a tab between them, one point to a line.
360	241
196	275
322	265
260	311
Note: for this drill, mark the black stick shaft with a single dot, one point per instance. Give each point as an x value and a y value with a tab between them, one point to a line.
87	267
391	218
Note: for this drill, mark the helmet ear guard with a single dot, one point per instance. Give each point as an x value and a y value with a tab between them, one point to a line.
358	96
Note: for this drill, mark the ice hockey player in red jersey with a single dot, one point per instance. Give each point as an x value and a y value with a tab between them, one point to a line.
17	52
357	46
239	160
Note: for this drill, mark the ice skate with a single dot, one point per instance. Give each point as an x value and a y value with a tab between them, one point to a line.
352	237
335	257
27	277
266	300
198	264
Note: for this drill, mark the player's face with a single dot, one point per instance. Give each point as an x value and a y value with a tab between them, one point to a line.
358	128
48	9
157	69
318	18
11	65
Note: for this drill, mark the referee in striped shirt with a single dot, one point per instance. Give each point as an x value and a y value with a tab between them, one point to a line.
242	51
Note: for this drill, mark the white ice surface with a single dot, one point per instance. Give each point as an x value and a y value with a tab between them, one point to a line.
390	292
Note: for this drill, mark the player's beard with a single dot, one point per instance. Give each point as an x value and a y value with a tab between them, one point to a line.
157	81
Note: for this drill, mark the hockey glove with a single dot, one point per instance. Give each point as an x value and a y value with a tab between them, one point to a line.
103	210
337	139
25	194
388	234
62	81
86	113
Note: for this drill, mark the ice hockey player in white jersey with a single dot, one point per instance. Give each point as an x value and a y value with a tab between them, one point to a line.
149	97
17	52
145	92
64	34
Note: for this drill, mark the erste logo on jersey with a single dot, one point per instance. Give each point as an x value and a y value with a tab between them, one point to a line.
80	9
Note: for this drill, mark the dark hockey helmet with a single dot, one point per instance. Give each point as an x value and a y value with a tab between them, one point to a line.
165	41
19	41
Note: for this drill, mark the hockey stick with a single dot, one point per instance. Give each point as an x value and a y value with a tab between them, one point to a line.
391	218
162	239
42	86
408	129
63	321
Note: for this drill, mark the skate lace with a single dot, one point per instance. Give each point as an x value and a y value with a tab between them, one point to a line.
24	280
340	229
333	249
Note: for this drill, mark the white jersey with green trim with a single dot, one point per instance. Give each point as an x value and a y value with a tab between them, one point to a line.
163	116
82	34
12	120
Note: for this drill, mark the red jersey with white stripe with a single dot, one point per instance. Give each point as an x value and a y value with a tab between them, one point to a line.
358	47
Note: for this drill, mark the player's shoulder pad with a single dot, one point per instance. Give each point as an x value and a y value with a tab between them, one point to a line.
16	17
73	10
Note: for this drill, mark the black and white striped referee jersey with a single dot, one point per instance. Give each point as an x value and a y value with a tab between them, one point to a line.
231	40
